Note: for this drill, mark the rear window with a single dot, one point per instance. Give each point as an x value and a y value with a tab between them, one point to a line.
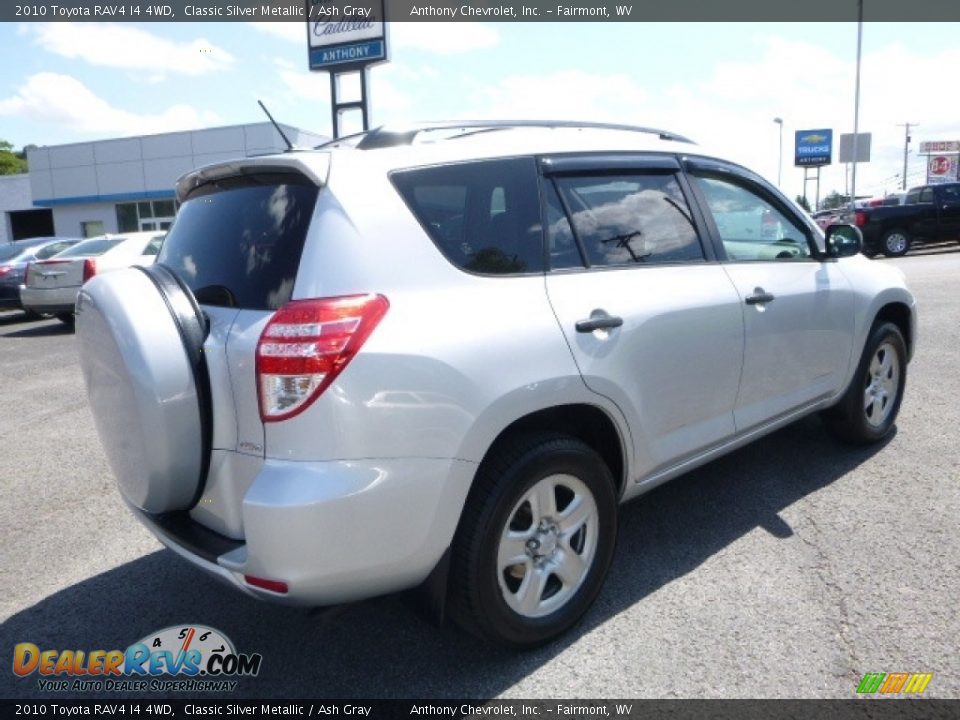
237	242
8	252
92	247
483	216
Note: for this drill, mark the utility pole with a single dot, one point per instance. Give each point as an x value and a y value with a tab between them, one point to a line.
906	145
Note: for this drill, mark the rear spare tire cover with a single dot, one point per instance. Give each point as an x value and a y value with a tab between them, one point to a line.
140	365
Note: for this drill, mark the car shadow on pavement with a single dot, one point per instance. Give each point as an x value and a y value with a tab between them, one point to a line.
45	329
14	317
381	648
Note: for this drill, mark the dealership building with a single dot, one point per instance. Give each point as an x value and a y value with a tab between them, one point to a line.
125	184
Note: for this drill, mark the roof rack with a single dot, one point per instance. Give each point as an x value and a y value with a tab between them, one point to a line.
383	137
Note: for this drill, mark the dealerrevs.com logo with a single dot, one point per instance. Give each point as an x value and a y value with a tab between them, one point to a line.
187	658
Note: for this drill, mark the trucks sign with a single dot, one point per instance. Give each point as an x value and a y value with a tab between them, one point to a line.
813	148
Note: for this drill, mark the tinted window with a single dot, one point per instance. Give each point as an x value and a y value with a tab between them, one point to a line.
153	247
237	242
750	226
483	216
563	251
913	196
7	252
52	249
628	219
92	247
926	195
951	193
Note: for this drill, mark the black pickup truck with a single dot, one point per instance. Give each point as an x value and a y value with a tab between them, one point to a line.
930	213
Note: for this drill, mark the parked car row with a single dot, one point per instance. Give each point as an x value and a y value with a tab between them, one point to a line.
929	213
14	258
43	275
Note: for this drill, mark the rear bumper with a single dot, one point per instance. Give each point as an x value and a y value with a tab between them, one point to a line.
334	532
49	300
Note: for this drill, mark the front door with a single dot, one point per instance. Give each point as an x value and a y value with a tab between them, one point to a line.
798	308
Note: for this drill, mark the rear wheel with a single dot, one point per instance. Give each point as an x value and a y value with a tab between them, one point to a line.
895	242
535	541
869	408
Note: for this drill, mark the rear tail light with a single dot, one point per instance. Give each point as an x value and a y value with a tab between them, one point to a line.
306	344
860	219
5	270
89	268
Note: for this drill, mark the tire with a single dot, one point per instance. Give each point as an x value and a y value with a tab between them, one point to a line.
895	243
67	318
868	409
562	559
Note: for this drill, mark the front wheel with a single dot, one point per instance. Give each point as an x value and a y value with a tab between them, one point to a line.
535	541
895	243
868	410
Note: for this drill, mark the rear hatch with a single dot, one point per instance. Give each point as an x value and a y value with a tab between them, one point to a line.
237	243
168	351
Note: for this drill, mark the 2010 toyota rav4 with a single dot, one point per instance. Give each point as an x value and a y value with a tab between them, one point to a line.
443	356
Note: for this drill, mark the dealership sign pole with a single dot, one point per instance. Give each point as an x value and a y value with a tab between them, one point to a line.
342	44
813	148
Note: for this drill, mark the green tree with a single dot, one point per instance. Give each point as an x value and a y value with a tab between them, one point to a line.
11	163
802	202
834	200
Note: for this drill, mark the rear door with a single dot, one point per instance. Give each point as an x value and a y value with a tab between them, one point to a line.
798	309
651	318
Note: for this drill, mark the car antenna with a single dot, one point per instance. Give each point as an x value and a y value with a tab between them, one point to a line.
277	126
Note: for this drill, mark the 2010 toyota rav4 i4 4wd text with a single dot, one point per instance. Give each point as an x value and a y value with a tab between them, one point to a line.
443	356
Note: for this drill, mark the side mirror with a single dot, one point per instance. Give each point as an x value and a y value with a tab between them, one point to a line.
843	241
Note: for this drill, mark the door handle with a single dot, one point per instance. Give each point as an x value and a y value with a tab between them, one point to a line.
599	320
759	297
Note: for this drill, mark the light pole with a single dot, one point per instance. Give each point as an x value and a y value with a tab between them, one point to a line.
856	111
779	121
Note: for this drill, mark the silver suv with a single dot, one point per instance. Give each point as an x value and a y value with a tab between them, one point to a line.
441	357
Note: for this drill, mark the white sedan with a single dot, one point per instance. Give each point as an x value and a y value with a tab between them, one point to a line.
51	286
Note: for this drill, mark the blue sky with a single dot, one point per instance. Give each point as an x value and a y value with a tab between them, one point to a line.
720	84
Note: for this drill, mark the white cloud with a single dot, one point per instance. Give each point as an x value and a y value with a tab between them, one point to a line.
563	95
440	38
443	38
64	100
730	108
289	31
122	46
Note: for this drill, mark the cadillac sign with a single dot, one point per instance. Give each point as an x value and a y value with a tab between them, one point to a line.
814	148
345	37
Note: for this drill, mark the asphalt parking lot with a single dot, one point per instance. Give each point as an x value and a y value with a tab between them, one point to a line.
788	569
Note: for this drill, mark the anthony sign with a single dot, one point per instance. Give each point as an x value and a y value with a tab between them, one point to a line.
345	37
